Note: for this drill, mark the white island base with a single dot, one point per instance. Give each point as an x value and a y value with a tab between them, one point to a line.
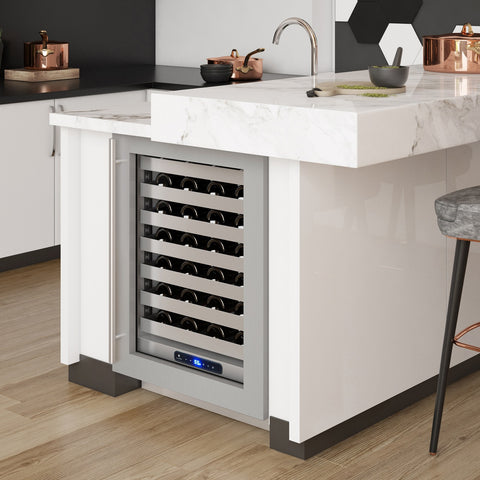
358	279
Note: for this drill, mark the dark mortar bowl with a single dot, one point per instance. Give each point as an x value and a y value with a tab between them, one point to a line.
390	77
216	73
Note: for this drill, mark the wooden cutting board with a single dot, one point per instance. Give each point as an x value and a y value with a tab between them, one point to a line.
28	75
355	88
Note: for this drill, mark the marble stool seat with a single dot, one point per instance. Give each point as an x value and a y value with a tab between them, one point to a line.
458	216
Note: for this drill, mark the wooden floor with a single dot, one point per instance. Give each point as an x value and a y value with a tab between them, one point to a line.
51	429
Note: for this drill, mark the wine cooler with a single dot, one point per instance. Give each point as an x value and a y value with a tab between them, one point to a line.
190	272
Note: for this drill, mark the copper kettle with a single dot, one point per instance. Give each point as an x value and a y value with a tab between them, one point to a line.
45	54
244	68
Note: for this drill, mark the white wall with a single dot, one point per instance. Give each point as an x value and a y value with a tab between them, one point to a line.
189	31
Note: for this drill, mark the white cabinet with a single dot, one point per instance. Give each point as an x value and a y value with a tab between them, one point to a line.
29	174
27	187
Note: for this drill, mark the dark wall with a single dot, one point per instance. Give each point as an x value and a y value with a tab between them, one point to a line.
100	32
356	41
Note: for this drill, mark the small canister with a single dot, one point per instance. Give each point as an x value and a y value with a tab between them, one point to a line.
45	54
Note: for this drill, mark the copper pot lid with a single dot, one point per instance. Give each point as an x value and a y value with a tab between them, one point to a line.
466	34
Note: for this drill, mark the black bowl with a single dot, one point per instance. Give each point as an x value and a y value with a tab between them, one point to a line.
216	73
390	77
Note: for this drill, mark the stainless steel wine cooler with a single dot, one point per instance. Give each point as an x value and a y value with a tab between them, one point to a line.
190	268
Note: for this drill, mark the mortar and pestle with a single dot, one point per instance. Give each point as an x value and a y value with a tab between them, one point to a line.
390	76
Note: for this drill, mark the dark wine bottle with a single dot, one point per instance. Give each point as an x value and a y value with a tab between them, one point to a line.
213	301
238	338
215	188
238	221
238	251
163	234
189	240
189	324
238	280
239	192
164	290
215	331
164	207
189	268
188	183
215	245
163	180
164	317
215	273
187	211
215	216
163	262
238	308
189	296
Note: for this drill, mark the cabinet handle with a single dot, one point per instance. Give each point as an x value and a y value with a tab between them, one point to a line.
112	269
52	110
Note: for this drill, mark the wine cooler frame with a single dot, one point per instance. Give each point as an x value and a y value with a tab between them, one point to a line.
162	354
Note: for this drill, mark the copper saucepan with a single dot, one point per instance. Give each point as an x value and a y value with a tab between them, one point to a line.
244	68
453	52
45	54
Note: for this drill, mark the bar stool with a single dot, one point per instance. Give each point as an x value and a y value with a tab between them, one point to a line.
458	216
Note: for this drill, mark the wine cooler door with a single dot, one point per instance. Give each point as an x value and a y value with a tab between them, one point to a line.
191	272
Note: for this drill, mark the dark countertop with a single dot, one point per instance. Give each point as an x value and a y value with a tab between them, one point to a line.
108	80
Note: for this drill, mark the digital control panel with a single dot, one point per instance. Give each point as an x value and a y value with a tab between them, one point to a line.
198	362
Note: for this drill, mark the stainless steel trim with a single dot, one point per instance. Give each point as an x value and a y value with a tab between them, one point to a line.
112	255
54	141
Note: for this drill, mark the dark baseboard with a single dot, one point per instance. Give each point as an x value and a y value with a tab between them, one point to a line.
279	429
99	376
29	258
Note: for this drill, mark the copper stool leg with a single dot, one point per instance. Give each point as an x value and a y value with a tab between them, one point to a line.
456	287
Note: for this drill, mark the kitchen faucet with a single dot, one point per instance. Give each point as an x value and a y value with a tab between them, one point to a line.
313	41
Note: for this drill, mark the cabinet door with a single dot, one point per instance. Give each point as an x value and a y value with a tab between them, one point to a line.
26	178
83	103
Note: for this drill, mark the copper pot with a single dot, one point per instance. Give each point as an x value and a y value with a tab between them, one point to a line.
244	68
453	52
45	54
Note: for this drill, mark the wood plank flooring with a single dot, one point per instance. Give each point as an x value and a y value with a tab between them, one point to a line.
51	429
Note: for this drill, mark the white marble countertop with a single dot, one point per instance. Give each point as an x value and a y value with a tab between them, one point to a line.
276	119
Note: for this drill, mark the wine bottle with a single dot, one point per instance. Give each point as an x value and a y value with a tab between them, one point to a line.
215	245
189	240
238	221
215	188
238	338
164	262
215	273
189	324
187	211
215	331
239	192
164	207
215	302
238	308
164	317
164	235
189	268
189	296
215	216
238	251
188	183
164	290
163	180
238	280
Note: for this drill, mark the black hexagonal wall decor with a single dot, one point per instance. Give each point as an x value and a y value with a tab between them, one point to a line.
401	11
368	21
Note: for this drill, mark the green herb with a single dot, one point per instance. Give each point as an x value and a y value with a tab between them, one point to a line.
360	87
375	95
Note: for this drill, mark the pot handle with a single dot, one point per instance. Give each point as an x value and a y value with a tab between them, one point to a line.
234	53
245	68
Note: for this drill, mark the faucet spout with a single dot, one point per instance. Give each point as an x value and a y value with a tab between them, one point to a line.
313	41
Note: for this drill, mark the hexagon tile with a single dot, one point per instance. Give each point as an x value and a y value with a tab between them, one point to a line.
401	35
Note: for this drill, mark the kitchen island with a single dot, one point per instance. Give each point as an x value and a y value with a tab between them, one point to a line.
357	269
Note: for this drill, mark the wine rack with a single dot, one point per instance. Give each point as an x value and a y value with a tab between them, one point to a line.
190	278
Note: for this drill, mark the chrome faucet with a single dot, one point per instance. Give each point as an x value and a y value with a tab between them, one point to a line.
313	41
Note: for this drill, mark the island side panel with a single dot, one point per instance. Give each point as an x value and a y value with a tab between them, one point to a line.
372	286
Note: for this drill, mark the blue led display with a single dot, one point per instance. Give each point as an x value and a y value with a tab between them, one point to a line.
197	362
